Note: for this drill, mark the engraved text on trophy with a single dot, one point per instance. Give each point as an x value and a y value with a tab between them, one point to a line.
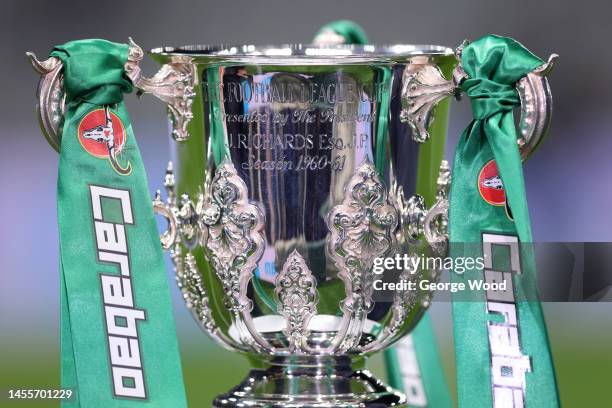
291	122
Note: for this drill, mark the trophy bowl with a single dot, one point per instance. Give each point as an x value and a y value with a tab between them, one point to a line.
292	171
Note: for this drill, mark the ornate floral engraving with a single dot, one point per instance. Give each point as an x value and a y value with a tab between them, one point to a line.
435	222
190	283
424	87
187	275
361	229
404	302
234	238
169	237
411	214
417	220
181	233
183	220
296	297
174	84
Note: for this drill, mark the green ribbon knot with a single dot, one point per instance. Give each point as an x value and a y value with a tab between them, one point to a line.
94	71
489	97
494	64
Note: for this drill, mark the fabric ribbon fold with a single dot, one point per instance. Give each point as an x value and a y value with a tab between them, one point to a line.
501	346
118	338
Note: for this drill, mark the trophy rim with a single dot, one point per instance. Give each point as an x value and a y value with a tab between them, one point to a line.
303	53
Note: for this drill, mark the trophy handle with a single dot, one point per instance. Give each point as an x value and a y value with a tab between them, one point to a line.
169	237
416	219
50	106
174	84
425	86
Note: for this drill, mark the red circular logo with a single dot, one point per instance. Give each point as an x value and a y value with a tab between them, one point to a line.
490	184
101	133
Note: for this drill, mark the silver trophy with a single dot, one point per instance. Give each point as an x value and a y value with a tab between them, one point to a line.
295	168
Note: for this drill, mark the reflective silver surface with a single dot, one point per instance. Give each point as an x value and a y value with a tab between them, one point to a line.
51	98
295	177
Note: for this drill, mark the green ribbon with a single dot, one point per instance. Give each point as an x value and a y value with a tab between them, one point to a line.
218	146
501	345
118	339
351	31
415	368
382	130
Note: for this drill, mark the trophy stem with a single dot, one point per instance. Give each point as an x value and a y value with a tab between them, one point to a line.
312	381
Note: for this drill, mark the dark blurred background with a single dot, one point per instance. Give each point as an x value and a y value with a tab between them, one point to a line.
568	180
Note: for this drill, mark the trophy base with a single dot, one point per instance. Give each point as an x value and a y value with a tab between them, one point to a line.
312	382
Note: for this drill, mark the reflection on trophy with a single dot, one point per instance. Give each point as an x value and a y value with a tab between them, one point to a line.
295	168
